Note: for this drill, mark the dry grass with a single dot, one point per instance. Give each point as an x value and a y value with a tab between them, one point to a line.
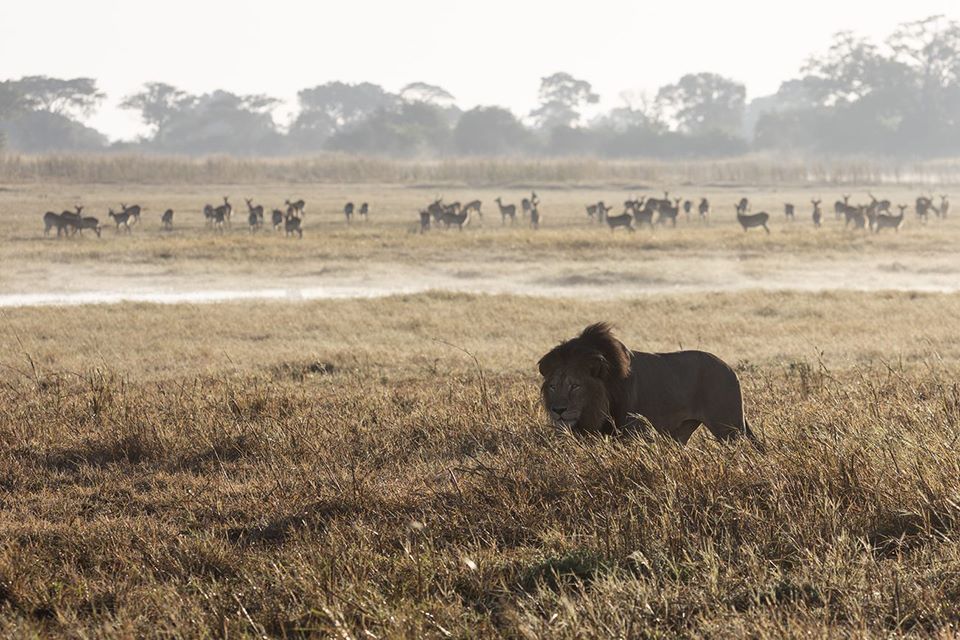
476	172
333	469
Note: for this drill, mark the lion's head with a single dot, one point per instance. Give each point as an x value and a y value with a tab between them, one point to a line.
581	379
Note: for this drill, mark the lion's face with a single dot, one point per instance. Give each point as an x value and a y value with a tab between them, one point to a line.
573	399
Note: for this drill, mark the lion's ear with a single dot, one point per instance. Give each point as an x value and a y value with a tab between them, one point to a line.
548	363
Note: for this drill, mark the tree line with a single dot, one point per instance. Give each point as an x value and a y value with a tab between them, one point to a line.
899	97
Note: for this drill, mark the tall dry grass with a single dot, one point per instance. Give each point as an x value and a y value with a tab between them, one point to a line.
341	470
337	168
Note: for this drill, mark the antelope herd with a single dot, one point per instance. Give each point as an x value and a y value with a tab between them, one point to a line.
875	215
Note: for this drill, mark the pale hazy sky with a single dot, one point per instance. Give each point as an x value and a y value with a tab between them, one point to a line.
483	51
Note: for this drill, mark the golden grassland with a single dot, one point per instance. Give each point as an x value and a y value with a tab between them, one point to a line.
774	169
380	468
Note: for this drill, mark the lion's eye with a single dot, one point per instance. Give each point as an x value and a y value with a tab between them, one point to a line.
553	387
574	387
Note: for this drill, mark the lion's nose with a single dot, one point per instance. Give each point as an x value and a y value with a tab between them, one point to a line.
558	410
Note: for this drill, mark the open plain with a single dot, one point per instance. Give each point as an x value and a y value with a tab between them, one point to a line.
349	443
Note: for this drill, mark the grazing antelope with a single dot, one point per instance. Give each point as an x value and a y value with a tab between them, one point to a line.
623	220
436	209
923	206
255	217
507	210
425	220
292	226
221	216
749	221
743	206
474	206
166	220
889	221
347	211
817	213
91	223
460	219
704	209
687	208
365	210
840	207
535	218
120	219
277	219
789	210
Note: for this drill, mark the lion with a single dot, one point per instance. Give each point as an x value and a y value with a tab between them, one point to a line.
594	384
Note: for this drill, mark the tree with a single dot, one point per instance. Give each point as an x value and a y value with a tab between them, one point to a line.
409	129
223	122
562	99
429	93
704	103
489	131
332	107
73	98
158	104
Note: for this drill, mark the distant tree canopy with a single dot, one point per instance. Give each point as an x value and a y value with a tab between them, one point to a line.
896	97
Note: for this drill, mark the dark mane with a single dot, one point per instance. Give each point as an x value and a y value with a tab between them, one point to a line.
596	346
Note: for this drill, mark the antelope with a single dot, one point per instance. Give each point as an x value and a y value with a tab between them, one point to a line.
365	211
122	218
222	215
72	219
255	219
687	208
743	206
535	217
704	209
944	206
749	221
347	211
888	221
89	222
881	206
297	207
622	220
436	209
292	226
474	206
227	210
840	207
166	220
507	210
277	219
460	219
51	220
817	213
857	216
133	210
789	210
668	212
208	214
870	211
425	220
923	206
534	199
602	211
526	206
643	216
